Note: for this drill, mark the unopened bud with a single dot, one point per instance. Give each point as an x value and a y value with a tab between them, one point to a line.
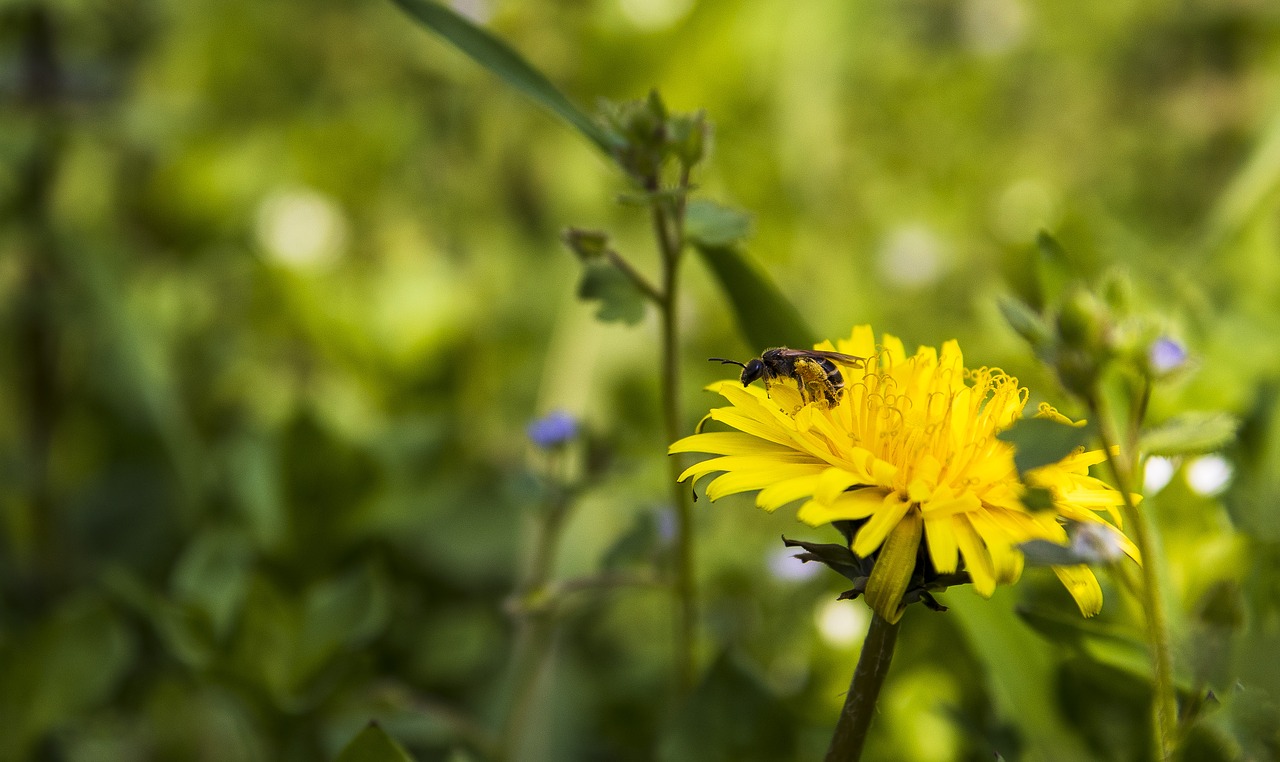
1083	320
587	244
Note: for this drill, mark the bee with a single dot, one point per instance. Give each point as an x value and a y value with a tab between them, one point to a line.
815	372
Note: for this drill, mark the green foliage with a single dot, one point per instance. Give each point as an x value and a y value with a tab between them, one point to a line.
279	291
374	745
619	299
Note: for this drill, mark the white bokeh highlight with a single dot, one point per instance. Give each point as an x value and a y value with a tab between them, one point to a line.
1208	475
301	228
841	624
1157	473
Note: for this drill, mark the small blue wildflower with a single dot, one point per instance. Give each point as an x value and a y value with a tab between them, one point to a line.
1166	355
553	429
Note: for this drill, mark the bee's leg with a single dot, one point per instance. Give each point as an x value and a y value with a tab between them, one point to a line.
812	380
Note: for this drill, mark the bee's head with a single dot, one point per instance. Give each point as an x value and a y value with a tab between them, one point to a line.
750	371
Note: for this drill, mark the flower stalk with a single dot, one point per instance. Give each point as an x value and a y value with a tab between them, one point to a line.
1165	702
671	245
864	690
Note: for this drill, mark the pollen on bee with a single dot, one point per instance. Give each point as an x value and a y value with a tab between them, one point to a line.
815	385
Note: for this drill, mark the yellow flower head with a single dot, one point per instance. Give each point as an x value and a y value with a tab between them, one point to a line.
909	456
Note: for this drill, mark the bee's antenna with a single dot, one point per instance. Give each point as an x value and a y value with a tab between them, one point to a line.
726	362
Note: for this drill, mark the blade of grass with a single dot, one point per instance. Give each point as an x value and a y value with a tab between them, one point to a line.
499	58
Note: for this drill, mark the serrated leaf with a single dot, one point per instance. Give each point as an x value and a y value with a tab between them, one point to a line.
620	300
1041	441
374	745
499	58
707	223
1193	433
764	316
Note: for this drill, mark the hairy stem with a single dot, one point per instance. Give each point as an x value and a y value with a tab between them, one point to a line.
1165	701
860	702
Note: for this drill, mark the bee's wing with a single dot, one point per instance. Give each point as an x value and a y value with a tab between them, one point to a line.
835	357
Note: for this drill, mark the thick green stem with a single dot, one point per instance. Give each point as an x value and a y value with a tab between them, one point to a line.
860	702
1165	707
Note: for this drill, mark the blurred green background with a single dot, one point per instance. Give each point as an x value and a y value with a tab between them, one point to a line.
281	287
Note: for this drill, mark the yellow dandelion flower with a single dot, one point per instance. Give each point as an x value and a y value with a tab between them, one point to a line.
908	456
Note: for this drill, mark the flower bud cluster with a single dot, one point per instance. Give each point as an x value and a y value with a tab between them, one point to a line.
1088	329
646	137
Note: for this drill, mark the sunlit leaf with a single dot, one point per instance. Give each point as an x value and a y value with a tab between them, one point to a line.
1041	441
710	224
764	316
1191	433
374	745
1019	666
499	58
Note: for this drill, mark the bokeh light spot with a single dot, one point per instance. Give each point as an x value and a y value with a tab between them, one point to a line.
1209	475
841	623
301	228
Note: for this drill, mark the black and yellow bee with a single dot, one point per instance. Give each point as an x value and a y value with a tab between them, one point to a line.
815	372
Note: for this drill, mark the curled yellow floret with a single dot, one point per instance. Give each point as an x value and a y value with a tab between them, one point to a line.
910	453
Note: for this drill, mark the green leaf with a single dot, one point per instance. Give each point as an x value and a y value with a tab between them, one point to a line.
71	662
212	576
340	614
620	300
1053	268
1026	322
1191	433
707	223
765	317
373	745
1019	667
1100	642
499	58
1041	441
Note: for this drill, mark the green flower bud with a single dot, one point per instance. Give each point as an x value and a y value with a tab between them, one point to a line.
587	244
1083	321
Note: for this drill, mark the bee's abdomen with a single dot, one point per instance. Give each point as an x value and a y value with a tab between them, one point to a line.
833	373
